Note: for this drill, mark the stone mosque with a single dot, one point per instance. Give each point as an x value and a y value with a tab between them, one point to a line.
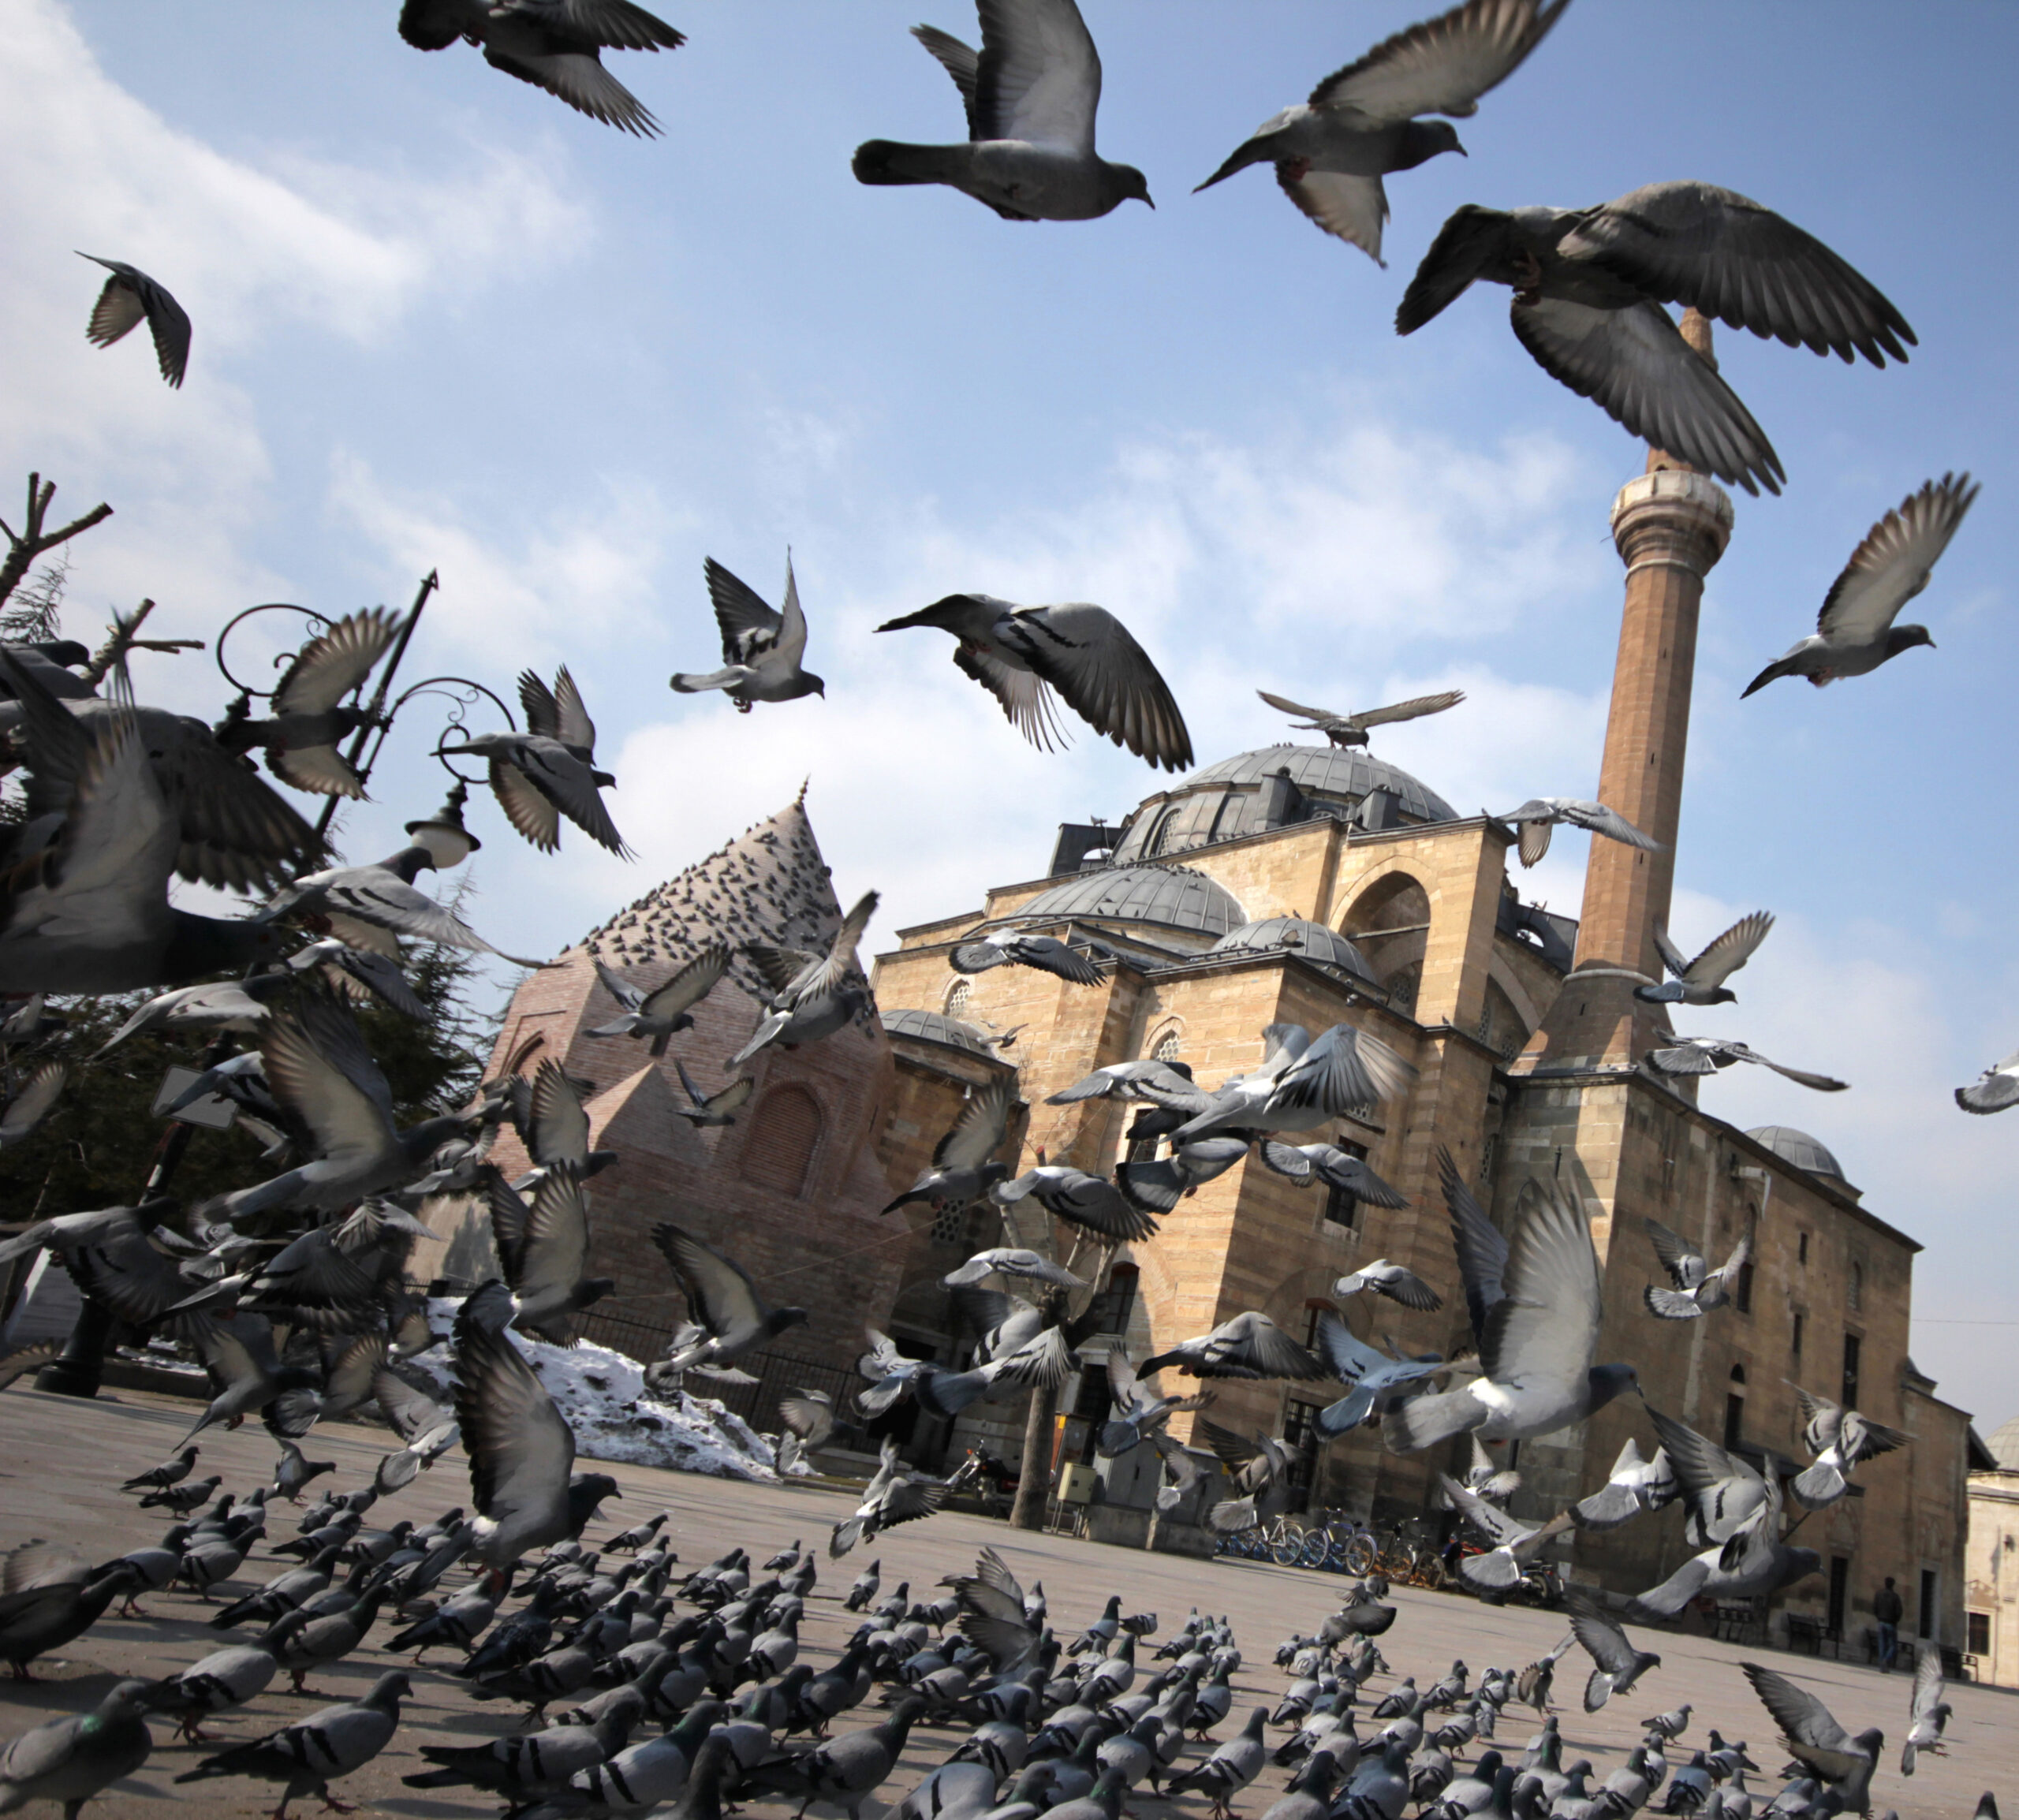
1314	885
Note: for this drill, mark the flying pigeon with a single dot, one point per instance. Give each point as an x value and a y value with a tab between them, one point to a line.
964	1166
1698	1288
1589	285
1634	1485
1302	1083
246	1374
556	45
1723	1493
1707	1054
32	1102
1021	654
1139	1411
1535	819
308	717
1487	1477
1756	1564
1031	95
549	771
712	1109
1701	982
812	995
1351	729
1091	1202
808	1419
1839	1439
131	297
1248	1345
1260	1467
1854	632
1616	1664
1010	1261
1045	952
1514	1543
1157	1185
666	1010
725	1316
1371	1373
1331	152
369	907
1394	1281
1993	1090
896	1494
1929	1712
761	648
1121	1080
1843	1764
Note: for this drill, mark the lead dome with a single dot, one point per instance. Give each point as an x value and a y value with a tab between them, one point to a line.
1168	896
1295	935
1799	1148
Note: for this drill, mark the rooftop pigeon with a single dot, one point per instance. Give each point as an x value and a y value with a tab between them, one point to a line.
725	1316
1021	654
1045	952
1698	1288
129	298
1994	1090
1616	1665
1702	981
761	648
308	717
812	995
1589	285
1842	1763
1031	95
1700	1055
549	771
1854	632
1929	1712
75	1759
1839	1439
964	1166
1350	730
1536	1373
1535	819
307	1756
556	45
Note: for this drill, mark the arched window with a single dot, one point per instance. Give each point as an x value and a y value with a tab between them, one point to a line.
957	995
1112	1308
778	1153
1168	1045
1738	1373
528	1056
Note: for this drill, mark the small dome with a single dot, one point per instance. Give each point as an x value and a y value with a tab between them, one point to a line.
1170	897
931	1026
1799	1148
1294	934
2003	1446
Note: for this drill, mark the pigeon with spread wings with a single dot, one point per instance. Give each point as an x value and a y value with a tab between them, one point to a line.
1139	1410
1839	1439
1854	632
300	737
726	1317
1700	1055
661	1013
1371	1374
1351	729
1512	1543
896	1494
761	648
711	1109
812	995
1996	1090
1361	123
1842	1763
1091	1203
1535	819
965	1166
1616	1665
1021	655
371	906
130	298
549	771
1249	1345
1928	1712
1701	982
1698	1288
1045	952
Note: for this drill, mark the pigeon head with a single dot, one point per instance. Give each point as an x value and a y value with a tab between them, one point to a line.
1421	141
1905	637
1607	1381
782	1318
68	653
1130	184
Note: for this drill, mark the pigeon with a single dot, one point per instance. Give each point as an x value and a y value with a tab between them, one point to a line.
1994	1090
1514	1543
1093	1203
965	1166
844	1771
1842	1763
808	1419
1371	1374
1929	1712
1122	1079
1589	285
246	1374
717	1109
1303	1082
762	649
533	1762
307	1756
1031	95
725	1316
1701	1055
556	45
1701	982
1234	1764
1158	1185
545	1264
1260	1467
48	1598
294	1471
76	1758
171	1471
1755	1564
548	771
1487	1478
1854	632
1616	1664
812	996
1531	1686
371	906
1838	1439
1348	730
1537	1374
218	1683
1535	819
666	1009
308	719
896	1494
1008	1261
1722	1494
1047	954
1247	1345
1634	1485
1021	654
1139	1411
131	297
1395	1282
1342	1169
33	1102
1698	1288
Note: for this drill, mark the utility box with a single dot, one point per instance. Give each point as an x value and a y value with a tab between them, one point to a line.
1077	1485
1131	1478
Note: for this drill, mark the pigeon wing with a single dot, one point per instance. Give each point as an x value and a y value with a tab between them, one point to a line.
749	626
509	1214
1039	77
316	1064
1803	1718
1672	956
1928	1684
1603	1640
1545	1328
1108	679
791	628
520	1450
1027	703
692	984
1284	705
1443	65
410	1410
560	1128
718	1288
1601	820
1494	1524
1413	709
571	725
1270	1352
628	996
329	667
130	296
1821	1082
840	961
1353	208
1685	1264
960	61
29	1107
1349	1357
1711	1479
1730	951
978	1133
530	813
810	1415
557	1241
1233	1451
1891	566
1482	1248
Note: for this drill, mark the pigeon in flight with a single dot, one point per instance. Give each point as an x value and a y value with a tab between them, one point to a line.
33	1102
1854	632
1030	94
1397	1282
1701	982
1634	1486
1722	1494
1091	1202
965	1166
896	1494
1537	1374
1842	1763
556	45
1512	1543
664	1010
1755	1564
369	907
549	771
130	297
1993	1090
1249	1345
1616	1665
813	995
725	1316
1045	952
1487	1477
1331	152
1589	285
1342	1169
1707	1054
544	1249
1929	1713
300	737
1302	1083
1261	1470
717	1109
1012	1261
1351	729
1139	1411
1021	654
1371	1374
761	649
1535	819
1838	1439
808	1420
1698	1288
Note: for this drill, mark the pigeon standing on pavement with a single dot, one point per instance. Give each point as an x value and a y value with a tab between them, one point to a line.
1854	632
761	648
307	1756
129	298
1360	124
812	996
1701	982
1536	818
1021	654
1350	730
1698	1288
76	1758
1030	94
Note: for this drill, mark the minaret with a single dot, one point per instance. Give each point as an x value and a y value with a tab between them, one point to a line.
1670	525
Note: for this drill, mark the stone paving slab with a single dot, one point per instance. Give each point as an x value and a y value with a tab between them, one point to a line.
62	1460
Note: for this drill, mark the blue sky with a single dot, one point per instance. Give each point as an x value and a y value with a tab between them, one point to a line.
441	320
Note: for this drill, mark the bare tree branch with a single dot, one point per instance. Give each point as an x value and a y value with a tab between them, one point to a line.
33	541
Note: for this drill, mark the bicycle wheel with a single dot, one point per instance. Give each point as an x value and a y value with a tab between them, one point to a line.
1359	1555
1287	1549
1316	1548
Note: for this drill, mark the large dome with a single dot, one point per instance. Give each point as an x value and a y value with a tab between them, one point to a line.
1313	940
1170	897
1799	1148
1275	786
2003	1446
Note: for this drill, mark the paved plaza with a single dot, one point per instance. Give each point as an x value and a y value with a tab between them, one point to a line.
62	1460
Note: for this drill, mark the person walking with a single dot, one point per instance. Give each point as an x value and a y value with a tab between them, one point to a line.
1887	1608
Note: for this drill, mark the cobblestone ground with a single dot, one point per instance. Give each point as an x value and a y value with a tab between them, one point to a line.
60	1461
